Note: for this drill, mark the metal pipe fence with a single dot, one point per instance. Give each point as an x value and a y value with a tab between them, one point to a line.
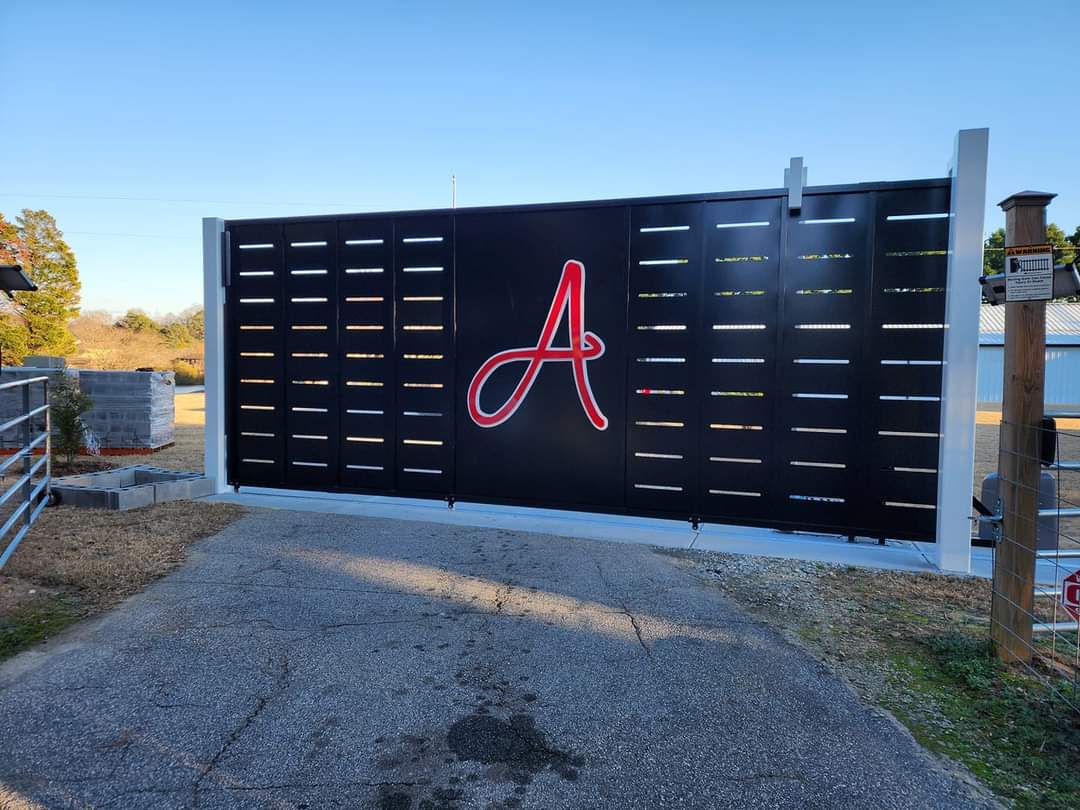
31	490
1047	604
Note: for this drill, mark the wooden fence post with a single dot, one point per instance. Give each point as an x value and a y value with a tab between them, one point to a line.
1018	453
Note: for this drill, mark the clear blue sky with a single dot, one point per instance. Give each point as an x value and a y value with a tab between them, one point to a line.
265	108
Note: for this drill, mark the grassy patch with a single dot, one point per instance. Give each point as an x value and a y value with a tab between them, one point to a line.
959	701
31	624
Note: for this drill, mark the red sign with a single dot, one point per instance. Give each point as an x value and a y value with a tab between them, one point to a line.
584	346
1070	594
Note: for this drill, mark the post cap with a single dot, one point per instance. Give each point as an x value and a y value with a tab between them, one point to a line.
1034	198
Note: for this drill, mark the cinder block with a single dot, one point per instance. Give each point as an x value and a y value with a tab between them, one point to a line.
131	487
133	497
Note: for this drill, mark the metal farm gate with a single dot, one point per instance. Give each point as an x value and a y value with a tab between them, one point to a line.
711	357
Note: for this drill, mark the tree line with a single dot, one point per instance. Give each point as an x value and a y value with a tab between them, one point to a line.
49	321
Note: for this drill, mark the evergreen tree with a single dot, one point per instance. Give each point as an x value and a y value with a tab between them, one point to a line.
50	263
137	321
13	333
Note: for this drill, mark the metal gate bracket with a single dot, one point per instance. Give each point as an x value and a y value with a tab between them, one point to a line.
794	181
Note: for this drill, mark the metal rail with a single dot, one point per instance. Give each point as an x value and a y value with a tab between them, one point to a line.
1063	511
1056	553
1054	627
33	496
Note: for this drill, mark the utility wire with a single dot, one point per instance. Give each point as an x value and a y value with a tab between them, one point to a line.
137	235
170	200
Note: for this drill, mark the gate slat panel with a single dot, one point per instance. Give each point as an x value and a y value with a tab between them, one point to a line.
908	304
424	265
663	325
367	382
825	273
311	420
257	437
737	363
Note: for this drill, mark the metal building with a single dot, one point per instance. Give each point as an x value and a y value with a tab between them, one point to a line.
1062	353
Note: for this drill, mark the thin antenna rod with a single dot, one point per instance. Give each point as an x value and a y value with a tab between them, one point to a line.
453	191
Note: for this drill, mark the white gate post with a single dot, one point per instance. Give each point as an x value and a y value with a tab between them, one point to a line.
214	353
956	450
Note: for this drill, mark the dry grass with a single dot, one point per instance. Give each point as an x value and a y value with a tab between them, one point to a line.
103	557
187	451
75	563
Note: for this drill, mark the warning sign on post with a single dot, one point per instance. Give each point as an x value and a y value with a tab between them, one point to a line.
1029	273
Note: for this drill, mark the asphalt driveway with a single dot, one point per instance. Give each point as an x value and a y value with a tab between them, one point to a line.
302	660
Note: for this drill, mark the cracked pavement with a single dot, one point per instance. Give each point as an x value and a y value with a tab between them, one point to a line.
301	660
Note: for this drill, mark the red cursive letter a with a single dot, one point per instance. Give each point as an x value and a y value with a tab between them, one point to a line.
584	346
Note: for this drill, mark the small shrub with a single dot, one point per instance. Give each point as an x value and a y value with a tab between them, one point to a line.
67	405
187	374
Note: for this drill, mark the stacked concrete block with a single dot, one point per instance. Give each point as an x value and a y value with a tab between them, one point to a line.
130	487
132	411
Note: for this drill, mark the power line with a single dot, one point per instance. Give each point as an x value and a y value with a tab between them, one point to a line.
1058	248
138	235
170	200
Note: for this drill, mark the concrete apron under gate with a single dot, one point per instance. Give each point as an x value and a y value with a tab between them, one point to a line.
899	555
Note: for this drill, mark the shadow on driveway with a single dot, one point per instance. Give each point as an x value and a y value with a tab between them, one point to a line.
302	660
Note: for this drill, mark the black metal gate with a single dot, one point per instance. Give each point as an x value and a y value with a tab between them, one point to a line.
711	357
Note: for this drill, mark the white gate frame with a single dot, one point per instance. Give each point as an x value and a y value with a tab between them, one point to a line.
956	448
214	358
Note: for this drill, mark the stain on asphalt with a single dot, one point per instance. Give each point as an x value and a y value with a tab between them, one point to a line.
515	743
